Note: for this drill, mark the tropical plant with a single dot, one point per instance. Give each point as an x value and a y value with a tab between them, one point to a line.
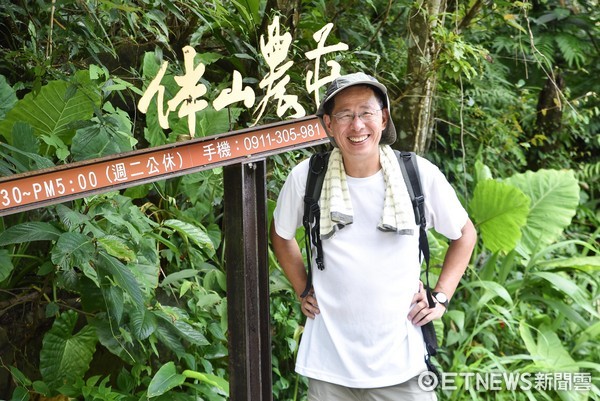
528	305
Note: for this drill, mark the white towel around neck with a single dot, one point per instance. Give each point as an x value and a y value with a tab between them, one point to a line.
336	206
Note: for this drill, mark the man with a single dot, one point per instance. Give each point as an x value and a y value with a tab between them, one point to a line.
363	339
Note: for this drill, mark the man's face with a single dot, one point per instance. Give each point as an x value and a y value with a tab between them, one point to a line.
356	122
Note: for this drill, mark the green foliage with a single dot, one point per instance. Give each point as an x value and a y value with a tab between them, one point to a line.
501	210
554	197
519	311
532	49
106	135
65	356
111	263
457	59
8	98
27	232
61	104
167	378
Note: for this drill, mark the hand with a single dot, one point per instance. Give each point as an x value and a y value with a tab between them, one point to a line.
420	314
309	305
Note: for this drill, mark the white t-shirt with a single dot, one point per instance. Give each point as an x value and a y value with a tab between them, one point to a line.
362	337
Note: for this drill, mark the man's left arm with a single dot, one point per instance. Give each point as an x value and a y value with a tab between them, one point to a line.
456	261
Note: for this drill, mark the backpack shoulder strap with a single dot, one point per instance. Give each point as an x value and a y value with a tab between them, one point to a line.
312	213
410	171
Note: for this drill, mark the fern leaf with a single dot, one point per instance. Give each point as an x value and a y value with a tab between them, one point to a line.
571	48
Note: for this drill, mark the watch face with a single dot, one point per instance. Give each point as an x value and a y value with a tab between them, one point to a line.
441	297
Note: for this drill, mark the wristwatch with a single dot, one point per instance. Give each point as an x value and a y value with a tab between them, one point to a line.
441	298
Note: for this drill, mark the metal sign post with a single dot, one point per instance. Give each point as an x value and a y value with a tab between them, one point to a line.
245	220
245	224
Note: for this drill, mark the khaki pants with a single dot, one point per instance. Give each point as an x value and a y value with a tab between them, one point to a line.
407	391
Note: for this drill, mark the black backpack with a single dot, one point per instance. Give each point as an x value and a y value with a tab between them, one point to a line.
312	214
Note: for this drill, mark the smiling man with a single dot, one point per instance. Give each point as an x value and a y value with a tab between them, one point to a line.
363	338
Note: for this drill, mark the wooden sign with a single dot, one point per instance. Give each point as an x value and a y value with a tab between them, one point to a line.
50	186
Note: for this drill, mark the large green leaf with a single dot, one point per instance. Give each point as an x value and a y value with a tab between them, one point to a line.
115	339
217	383
249	10
499	210
214	233
169	338
8	97
96	141
588	264
438	245
54	109
571	289
109	135
146	274
19	377
179	276
122	275
117	247
164	380
65	357
547	351
143	322
6	266
176	319
554	198
20	394
113	298
71	218
72	249
491	290
27	232
210	121
26	149
194	233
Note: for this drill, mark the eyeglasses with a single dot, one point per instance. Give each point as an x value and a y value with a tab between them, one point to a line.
345	117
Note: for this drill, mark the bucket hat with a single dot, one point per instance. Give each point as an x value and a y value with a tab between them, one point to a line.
388	135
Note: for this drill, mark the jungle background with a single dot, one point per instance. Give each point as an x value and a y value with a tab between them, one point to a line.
122	296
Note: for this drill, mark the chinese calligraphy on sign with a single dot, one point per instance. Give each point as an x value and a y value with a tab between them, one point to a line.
275	52
189	98
313	83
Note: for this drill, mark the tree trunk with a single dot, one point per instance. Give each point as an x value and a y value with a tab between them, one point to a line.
548	123
414	116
